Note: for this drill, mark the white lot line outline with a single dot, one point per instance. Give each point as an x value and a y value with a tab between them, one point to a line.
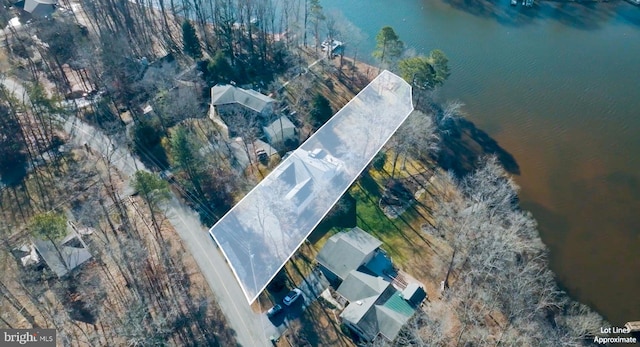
381	76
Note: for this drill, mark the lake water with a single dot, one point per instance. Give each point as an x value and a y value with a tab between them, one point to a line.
558	86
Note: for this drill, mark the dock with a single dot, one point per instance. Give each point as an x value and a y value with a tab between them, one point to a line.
634	327
332	44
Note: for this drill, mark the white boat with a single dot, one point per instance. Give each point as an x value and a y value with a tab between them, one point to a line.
514	2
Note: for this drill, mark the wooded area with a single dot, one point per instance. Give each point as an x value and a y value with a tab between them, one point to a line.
140	73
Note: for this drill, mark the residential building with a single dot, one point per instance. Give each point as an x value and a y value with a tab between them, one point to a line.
300	177
344	252
64	256
38	8
229	98
377	307
281	130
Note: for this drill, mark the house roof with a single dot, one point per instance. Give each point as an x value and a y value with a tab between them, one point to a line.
373	318
345	252
228	94
40	8
356	310
414	293
359	285
301	176
399	304
72	249
278	126
389	321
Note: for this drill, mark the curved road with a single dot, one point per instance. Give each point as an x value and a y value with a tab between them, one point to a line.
252	330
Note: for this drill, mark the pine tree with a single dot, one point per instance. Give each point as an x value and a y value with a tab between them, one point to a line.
191	43
321	110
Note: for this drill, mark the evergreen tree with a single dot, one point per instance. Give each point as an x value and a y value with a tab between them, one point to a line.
191	43
218	69
185	157
49	226
425	72
321	110
388	45
13	160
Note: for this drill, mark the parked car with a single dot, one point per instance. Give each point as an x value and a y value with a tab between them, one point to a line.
292	296
262	156
274	310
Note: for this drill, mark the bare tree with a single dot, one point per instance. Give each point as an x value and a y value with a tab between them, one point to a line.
415	137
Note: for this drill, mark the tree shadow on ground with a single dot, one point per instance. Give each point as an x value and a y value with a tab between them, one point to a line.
14	175
342	215
584	15
463	144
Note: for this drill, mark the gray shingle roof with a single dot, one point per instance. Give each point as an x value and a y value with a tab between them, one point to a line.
373	318
359	285
39	8
389	322
345	252
228	94
356	310
278	127
73	250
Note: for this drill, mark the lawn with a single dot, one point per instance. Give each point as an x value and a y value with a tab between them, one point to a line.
422	255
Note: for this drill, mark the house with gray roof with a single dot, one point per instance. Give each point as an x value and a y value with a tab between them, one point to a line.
229	98
38	8
376	307
345	252
64	256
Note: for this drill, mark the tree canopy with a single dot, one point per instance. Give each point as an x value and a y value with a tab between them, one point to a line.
12	146
49	225
153	189
388	45
191	43
218	69
321	110
185	156
425	72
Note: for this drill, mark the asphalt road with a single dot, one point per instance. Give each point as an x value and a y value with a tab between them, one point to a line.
252	330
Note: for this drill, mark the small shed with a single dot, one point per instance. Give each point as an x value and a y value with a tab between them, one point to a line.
414	294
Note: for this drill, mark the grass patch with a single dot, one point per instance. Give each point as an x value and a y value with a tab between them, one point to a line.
370	217
421	255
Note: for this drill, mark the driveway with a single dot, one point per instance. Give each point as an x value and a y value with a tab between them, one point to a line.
250	328
312	286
